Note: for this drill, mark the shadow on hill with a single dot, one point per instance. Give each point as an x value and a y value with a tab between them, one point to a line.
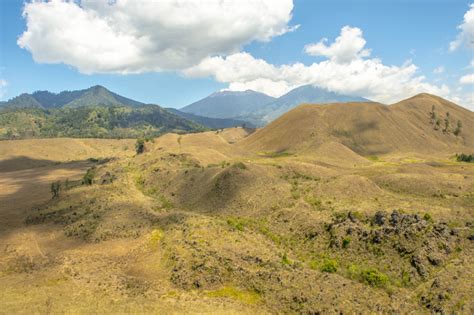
25	185
20	163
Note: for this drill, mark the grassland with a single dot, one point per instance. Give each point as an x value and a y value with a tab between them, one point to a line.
199	223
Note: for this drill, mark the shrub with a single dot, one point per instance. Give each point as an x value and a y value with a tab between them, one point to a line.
373	277
55	189
465	158
88	178
285	260
236	223
345	242
140	146
329	265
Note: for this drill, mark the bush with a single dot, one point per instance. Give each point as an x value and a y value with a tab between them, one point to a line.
88	178
345	242
373	277
55	189
140	146
329	265
465	158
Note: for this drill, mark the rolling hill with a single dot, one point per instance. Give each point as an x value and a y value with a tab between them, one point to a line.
301	95
370	128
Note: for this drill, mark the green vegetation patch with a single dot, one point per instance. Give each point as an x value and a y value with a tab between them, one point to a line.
244	296
469	158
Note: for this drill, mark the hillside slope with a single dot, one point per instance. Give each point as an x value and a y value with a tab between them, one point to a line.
369	128
301	95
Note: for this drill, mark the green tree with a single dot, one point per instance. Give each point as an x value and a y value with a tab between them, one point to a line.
433	115
457	131
140	146
55	189
446	123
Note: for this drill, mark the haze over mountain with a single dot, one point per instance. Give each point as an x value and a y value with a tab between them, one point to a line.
228	104
213	123
259	108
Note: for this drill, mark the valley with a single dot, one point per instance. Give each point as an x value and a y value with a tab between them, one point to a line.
317	212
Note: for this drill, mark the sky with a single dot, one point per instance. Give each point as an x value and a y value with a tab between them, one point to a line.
174	52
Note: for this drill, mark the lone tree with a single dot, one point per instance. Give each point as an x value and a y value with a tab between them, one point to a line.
55	189
140	146
457	131
437	124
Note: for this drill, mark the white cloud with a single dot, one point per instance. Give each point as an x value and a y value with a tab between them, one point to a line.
467	79
346	71
466	34
3	85
125	36
438	70
347	47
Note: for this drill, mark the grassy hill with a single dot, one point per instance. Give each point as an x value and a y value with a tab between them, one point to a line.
370	128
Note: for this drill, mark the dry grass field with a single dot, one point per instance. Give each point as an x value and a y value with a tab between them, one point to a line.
298	217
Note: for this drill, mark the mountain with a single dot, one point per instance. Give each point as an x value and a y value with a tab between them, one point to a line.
260	109
92	122
300	95
212	123
228	104
93	96
370	128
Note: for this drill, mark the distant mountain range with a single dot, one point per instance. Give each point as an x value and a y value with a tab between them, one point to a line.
213	123
93	112
260	109
93	96
229	104
98	112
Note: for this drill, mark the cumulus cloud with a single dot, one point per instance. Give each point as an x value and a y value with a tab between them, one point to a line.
467	79
125	36
347	47
347	71
466	34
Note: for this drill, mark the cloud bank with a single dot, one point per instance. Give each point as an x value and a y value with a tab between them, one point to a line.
348	70
129	36
206	38
466	34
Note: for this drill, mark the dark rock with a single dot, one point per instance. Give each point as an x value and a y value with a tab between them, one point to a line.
394	218
417	262
379	218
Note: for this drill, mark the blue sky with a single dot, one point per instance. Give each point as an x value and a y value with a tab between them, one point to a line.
396	32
